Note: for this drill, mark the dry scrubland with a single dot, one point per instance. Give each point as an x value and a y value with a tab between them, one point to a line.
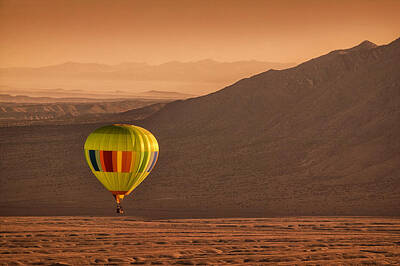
126	240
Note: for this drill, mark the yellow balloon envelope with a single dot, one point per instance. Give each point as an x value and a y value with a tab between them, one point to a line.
121	156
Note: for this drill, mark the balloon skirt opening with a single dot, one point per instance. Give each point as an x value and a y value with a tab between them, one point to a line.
118	197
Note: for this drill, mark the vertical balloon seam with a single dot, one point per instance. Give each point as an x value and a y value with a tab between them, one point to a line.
155	154
131	167
147	150
155	150
151	153
139	152
134	153
142	174
151	158
143	169
150	147
140	149
133	159
155	160
153	145
128	142
153	163
137	157
145	156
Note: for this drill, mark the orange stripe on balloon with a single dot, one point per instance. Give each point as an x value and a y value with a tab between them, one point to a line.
126	163
103	165
114	161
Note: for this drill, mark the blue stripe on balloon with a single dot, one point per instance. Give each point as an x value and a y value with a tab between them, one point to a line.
92	155
153	162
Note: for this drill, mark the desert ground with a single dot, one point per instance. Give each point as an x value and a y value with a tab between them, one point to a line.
252	241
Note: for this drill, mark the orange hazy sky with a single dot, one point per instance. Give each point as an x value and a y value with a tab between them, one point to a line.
37	32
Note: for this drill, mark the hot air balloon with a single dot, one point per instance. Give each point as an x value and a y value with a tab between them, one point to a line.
121	156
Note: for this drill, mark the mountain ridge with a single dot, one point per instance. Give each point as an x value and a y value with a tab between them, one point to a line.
302	114
123	65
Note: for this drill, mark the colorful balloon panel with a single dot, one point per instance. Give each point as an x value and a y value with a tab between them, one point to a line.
117	161
121	156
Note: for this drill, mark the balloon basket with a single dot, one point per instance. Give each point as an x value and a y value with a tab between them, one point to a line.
119	209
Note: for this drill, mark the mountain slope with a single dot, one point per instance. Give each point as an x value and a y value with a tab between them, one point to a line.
322	138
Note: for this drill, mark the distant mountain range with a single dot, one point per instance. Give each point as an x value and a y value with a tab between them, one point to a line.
321	138
60	95
205	70
184	77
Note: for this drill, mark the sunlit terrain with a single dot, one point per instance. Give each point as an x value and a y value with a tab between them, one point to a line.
126	240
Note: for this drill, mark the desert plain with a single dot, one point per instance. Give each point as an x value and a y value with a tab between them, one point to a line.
242	241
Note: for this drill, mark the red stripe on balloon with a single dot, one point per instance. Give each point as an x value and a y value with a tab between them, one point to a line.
108	161
114	161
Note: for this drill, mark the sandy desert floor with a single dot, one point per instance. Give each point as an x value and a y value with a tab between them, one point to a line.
127	240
